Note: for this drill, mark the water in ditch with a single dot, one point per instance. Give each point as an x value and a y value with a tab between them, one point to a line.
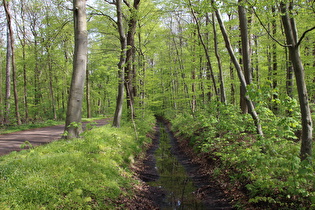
173	178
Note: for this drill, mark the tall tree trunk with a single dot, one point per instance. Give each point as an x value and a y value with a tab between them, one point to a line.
216	50
122	61
23	44
25	98
142	74
13	66
8	81
51	88
294	50
73	126
87	95
274	62
245	51
209	64
37	72
193	75
1	90
241	76
289	75
232	76
257	78
130	56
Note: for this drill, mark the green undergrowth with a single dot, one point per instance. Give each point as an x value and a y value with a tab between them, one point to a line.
267	169
91	172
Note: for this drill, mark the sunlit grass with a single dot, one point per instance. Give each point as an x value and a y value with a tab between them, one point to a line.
15	128
85	173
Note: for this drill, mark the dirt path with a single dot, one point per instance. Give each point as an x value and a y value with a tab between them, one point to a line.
12	141
208	190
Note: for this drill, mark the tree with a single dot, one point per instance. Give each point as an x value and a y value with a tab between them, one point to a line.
130	72
11	53
209	65
23	45
242	14
217	55
8	81
250	104
122	61
73	126
294	51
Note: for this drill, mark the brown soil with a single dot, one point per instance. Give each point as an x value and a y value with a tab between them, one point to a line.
208	190
13	141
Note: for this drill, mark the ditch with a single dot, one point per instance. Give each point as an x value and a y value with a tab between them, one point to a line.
174	180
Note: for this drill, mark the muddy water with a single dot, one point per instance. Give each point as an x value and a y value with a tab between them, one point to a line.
178	187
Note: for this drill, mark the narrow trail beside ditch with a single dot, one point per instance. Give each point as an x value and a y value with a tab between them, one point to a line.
12	141
173	180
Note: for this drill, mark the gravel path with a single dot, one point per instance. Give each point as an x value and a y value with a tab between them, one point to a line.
12	141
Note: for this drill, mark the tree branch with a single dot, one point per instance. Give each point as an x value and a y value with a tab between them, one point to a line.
110	2
98	12
127	3
303	35
261	23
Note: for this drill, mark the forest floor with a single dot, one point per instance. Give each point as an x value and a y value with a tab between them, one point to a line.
209	192
12	141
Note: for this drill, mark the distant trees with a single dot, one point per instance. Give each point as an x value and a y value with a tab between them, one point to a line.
171	58
10	66
40	89
255	46
240	73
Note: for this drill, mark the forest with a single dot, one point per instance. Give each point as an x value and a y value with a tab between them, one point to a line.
235	78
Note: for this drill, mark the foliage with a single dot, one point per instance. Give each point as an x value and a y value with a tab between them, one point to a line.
268	168
172	78
86	173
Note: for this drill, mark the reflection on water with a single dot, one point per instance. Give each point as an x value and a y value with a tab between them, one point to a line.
173	177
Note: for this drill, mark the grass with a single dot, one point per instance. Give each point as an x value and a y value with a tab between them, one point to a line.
14	128
87	173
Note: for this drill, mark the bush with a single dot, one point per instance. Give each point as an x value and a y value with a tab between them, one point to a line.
268	168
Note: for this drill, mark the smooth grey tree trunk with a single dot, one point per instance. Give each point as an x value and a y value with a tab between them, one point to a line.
238	68
73	126
87	95
12	60
217	55
122	61
130	72
25	78
209	64
294	51
246	62
8	82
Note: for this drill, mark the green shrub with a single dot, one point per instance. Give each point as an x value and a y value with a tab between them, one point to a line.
268	168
